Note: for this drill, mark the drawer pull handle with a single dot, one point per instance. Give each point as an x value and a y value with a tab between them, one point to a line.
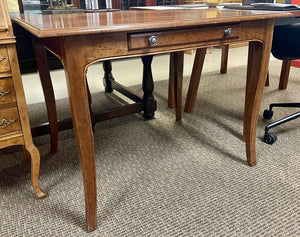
153	40
1	59
5	122
228	32
4	93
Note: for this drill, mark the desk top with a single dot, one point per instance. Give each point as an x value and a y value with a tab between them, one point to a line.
120	21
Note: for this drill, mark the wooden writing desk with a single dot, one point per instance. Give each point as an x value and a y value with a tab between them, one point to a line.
82	39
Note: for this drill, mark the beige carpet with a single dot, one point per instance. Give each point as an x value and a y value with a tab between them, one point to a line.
165	178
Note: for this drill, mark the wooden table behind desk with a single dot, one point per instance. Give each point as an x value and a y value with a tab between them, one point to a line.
82	39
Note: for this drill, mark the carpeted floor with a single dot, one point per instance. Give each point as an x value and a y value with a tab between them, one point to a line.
165	178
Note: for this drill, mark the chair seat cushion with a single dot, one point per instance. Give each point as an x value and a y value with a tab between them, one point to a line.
286	42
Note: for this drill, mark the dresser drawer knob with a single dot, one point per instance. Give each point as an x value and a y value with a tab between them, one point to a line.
152	40
3	93
1	59
5	122
228	32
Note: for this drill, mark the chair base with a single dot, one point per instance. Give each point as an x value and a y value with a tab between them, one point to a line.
269	137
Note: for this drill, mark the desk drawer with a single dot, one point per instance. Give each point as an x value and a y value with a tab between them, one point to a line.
184	36
4	63
7	93
9	120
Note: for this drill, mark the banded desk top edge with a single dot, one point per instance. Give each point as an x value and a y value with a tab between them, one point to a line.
120	21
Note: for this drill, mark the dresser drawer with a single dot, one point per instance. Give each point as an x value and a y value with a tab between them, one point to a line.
4	63
9	120
177	37
7	93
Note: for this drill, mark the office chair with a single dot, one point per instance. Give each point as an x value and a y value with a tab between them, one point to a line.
286	46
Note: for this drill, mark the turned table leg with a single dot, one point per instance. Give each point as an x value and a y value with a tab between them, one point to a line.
147	86
107	76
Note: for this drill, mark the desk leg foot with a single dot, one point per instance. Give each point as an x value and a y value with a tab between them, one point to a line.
107	76
195	80
34	155
148	86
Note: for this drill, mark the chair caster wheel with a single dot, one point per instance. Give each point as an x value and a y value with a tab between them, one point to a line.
270	138
268	114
